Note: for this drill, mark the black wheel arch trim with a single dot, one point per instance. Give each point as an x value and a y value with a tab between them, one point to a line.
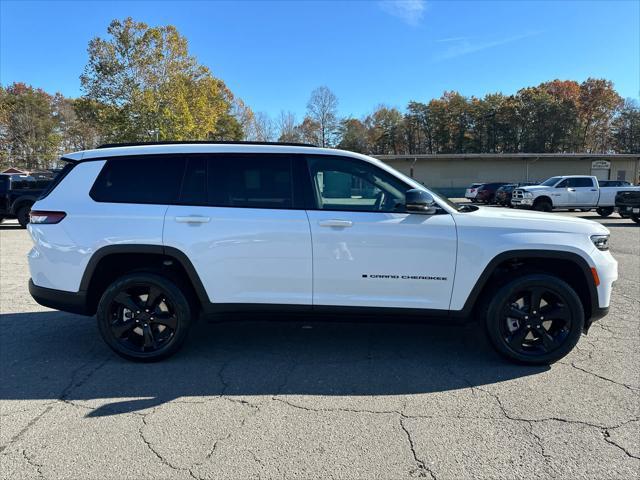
470	303
172	252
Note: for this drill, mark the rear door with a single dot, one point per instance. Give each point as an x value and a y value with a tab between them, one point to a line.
367	251
582	191
239	223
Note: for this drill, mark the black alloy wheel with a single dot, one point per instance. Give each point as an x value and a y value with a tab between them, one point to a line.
144	317
535	319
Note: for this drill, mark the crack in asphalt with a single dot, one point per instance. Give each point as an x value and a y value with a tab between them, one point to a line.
633	389
33	463
607	437
422	469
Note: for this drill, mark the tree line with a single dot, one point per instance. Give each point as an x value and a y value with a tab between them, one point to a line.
141	84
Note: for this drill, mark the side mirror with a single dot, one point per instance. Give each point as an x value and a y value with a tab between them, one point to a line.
419	201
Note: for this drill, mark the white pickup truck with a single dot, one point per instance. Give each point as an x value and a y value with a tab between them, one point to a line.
568	191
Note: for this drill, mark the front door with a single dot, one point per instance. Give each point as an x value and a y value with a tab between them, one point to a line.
237	224
367	251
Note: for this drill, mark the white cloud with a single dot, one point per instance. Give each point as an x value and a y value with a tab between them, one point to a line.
409	11
464	45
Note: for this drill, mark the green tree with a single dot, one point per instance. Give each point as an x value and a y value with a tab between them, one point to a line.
626	128
28	134
149	87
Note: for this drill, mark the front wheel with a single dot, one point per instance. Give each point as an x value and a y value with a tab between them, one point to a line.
144	317
535	319
543	206
604	211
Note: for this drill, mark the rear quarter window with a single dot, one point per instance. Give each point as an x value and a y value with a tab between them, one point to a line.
142	179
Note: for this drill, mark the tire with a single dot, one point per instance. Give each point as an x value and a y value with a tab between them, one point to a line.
1	219
543	206
572	209
604	211
141	328
22	214
635	218
521	335
623	214
585	209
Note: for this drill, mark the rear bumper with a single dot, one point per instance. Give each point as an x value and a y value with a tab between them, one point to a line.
73	302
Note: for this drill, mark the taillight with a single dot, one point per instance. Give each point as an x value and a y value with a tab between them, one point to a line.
44	217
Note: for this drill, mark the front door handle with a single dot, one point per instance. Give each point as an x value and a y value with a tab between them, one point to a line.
335	223
193	219
571	189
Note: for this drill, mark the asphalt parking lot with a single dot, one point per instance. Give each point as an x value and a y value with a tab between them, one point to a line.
295	400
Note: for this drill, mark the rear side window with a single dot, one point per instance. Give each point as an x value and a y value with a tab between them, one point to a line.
140	179
251	181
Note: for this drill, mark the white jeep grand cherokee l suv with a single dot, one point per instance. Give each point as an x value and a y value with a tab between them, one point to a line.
151	237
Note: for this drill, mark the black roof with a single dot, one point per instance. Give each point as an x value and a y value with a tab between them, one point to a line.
203	142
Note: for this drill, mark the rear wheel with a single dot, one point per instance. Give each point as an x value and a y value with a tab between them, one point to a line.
635	218
23	215
144	317
535	319
604	211
543	206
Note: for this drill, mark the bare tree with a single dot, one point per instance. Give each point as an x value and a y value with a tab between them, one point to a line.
323	109
287	127
262	128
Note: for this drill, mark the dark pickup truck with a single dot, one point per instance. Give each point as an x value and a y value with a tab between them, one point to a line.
18	193
628	204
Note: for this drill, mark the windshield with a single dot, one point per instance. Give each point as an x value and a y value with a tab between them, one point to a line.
550	182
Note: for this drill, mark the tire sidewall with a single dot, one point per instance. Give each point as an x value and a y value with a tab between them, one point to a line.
558	287
23	215
176	298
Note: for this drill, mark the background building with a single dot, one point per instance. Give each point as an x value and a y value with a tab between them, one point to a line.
452	173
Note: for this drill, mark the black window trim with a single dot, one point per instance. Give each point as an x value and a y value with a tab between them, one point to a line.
294	158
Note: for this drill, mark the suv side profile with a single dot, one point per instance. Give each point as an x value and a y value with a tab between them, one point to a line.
150	237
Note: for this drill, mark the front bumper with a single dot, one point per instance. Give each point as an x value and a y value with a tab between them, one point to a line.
73	302
522	202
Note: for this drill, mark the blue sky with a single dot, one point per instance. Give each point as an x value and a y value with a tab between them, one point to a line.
272	54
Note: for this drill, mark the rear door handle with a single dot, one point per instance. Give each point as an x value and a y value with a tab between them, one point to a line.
193	219
594	189
335	223
571	189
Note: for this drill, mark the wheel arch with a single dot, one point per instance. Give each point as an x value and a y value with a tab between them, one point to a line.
19	202
568	266
112	261
543	198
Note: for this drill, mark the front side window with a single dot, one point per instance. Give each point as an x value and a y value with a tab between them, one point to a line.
140	179
341	183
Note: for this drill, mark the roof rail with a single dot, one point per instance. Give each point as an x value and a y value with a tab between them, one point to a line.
203	142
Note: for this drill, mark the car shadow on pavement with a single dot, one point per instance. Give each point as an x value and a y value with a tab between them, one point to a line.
58	356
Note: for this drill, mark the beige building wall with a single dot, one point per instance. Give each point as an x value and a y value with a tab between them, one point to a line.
454	174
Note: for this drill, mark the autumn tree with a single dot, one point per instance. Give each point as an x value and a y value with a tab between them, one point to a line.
626	128
148	86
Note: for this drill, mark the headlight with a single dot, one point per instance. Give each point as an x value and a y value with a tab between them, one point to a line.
600	241
527	195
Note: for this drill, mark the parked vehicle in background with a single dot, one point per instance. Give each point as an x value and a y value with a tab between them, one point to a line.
472	191
18	193
503	194
151	237
487	192
570	192
628	204
613	183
